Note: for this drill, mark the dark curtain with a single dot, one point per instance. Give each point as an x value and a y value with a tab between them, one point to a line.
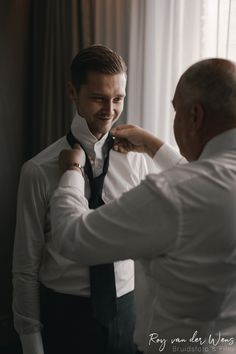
38	39
59	29
14	99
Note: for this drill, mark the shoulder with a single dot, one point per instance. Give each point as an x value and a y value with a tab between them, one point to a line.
177	175
41	167
183	182
50	153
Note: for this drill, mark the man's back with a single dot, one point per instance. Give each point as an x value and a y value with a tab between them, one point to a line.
196	279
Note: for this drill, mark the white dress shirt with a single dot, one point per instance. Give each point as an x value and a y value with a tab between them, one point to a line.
182	223
34	259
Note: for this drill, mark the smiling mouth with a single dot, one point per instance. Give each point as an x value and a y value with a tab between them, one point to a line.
105	118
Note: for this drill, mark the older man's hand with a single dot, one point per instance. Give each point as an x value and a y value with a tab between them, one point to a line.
133	138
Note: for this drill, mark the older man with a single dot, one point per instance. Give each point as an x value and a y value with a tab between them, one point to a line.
181	221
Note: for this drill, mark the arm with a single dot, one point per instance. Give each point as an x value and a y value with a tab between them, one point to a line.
28	248
134	138
142	223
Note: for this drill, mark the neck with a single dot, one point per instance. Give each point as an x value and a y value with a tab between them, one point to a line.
82	132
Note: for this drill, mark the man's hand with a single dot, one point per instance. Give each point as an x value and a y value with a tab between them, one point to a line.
72	159
133	138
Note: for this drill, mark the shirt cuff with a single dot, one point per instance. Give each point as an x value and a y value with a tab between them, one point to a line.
72	179
32	343
167	157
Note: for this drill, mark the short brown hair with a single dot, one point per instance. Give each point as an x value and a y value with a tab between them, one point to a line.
95	58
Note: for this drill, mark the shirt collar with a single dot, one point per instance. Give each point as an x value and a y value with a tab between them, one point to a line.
82	133
221	142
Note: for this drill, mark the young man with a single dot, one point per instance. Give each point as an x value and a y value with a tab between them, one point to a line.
181	221
53	296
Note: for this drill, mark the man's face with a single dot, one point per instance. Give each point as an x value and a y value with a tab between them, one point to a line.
181	124
189	123
101	100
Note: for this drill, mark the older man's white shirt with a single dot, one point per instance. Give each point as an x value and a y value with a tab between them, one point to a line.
182	222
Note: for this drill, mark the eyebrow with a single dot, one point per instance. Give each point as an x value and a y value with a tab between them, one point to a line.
104	95
120	95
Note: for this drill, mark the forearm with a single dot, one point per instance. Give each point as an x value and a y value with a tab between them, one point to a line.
27	257
84	236
26	303
167	157
152	144
26	314
32	343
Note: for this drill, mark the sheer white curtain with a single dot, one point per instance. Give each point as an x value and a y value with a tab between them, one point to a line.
159	39
164	40
167	36
219	29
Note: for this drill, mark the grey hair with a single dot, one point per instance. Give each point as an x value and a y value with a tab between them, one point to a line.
211	82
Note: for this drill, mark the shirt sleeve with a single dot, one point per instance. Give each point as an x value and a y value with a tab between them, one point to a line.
32	343
167	157
142	223
143	167
28	251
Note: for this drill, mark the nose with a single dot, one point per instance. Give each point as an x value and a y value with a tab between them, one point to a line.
108	107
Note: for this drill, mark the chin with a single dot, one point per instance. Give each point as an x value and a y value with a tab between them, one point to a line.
99	134
105	129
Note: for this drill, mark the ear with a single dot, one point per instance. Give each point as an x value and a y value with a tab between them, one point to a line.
71	91
196	118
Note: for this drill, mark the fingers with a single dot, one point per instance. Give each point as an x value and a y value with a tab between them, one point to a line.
123	146
68	158
77	146
62	158
129	138
124	127
122	130
119	148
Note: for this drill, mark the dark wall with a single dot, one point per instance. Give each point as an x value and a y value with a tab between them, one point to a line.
14	120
